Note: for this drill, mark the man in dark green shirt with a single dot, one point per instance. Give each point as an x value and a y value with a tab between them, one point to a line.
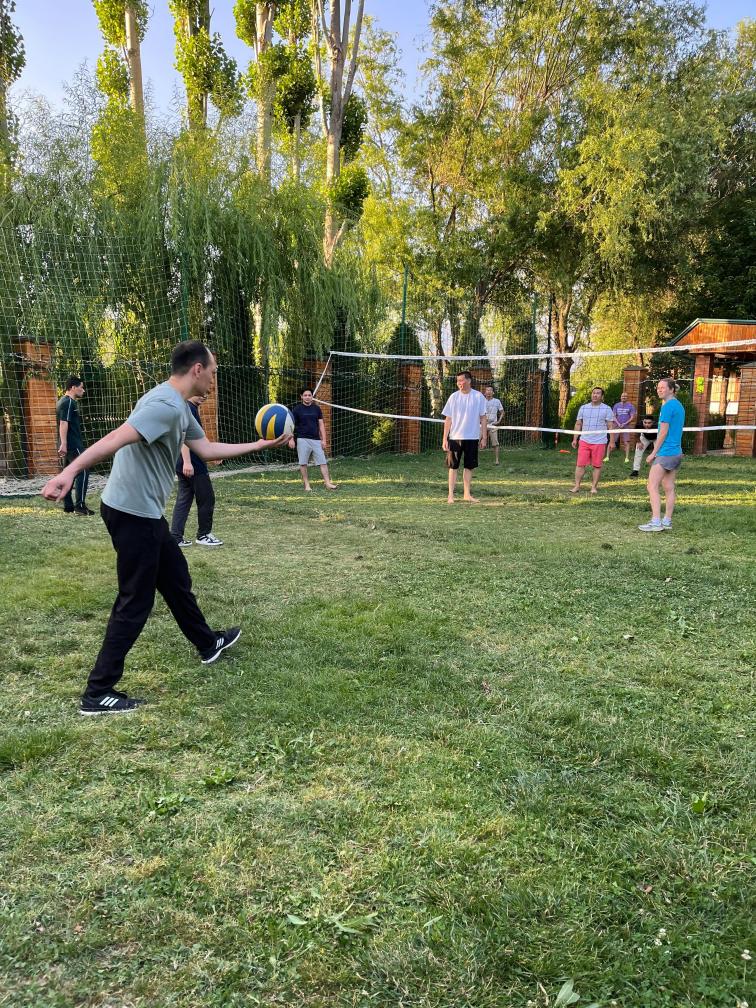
71	444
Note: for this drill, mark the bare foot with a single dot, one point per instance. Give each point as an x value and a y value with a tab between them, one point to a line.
574	489
332	486
450	500
594	490
472	500
308	489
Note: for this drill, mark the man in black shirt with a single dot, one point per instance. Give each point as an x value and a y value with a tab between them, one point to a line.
645	440
310	437
71	444
194	484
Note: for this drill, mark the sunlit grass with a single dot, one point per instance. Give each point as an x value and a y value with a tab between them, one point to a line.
459	755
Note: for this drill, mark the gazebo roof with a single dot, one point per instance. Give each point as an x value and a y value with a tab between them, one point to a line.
719	331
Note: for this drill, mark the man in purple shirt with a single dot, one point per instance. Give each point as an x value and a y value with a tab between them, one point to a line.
625	414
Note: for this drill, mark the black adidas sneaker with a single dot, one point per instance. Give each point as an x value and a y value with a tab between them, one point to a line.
225	639
112	702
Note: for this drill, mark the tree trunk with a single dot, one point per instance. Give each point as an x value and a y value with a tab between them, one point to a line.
339	44
196	103
5	143
296	154
564	364
265	14
134	60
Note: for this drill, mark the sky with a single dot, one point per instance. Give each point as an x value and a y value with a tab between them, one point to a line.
60	35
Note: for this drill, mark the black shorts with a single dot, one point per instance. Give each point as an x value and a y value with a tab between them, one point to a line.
467	450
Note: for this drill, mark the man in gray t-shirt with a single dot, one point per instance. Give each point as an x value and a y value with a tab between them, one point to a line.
133	502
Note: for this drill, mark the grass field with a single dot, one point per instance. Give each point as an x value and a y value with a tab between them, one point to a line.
460	757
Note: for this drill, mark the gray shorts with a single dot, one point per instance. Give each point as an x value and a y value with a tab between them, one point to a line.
493	438
310	446
668	462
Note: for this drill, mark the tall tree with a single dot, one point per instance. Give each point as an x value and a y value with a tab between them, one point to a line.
719	281
280	79
119	143
254	25
210	75
123	24
12	62
342	45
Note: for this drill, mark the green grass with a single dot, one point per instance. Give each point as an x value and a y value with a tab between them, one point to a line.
460	756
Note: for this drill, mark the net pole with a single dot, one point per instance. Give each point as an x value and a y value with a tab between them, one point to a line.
548	441
403	337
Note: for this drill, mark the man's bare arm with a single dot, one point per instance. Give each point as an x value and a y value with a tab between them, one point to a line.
211	450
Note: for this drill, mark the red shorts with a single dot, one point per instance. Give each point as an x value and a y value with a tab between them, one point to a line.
591	454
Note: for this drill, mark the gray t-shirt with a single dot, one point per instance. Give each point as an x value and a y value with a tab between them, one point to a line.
142	476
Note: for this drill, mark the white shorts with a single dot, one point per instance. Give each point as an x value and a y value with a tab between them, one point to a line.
310	446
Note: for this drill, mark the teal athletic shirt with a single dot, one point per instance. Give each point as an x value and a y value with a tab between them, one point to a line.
672	413
141	479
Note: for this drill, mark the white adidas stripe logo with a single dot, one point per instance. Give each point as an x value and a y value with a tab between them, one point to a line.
108	701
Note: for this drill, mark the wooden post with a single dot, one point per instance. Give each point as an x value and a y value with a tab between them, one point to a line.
745	440
702	377
634	378
315	368
208	412
534	403
39	402
409	403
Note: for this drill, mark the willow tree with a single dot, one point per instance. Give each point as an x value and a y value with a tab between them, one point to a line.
209	74
12	62
335	34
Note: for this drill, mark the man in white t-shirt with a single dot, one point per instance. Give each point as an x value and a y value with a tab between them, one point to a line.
494	410
597	420
465	430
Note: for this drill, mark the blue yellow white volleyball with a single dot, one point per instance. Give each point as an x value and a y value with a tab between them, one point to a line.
273	420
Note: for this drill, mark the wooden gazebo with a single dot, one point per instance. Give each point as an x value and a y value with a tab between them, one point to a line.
717	387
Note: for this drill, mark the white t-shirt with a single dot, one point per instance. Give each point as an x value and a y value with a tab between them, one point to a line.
595	419
493	408
465	410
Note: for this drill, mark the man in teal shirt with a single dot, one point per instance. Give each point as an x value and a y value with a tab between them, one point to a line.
133	502
665	457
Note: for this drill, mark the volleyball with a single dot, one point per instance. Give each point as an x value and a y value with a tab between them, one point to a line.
273	420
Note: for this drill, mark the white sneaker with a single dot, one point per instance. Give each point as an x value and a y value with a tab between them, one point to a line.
652	526
184	542
209	540
666	522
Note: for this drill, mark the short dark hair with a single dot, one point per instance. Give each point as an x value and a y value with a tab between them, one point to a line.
465	374
185	355
671	383
649	417
305	389
597	388
73	382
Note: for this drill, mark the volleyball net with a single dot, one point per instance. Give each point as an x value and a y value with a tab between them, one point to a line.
110	311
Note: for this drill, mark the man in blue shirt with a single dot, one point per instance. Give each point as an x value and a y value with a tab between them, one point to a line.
665	457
